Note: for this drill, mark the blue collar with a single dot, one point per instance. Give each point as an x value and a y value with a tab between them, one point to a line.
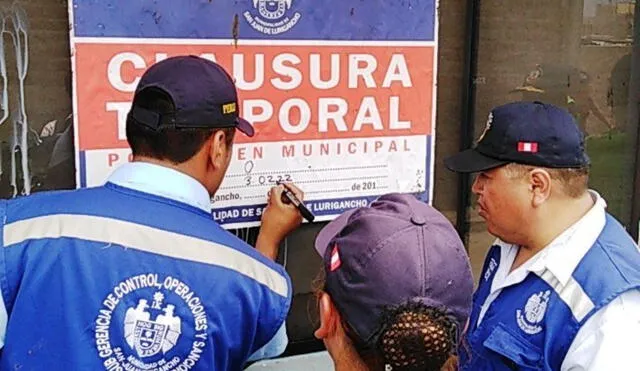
162	181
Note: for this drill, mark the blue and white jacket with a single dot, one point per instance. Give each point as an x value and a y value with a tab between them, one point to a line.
115	278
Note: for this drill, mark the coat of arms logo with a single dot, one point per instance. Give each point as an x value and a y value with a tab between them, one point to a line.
272	18
146	336
534	312
147	322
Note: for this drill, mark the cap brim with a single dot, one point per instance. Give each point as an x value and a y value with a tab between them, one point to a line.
472	161
331	230
244	126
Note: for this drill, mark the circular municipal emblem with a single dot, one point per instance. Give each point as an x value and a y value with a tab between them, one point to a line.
151	322
272	9
534	311
272	17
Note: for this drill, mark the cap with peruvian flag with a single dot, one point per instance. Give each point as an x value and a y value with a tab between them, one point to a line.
527	147
335	262
531	133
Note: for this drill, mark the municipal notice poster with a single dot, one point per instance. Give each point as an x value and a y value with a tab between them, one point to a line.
341	93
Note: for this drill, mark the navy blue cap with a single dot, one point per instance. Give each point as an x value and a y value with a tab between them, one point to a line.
203	93
530	133
395	250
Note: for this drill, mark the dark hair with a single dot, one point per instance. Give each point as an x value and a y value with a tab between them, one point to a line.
175	145
417	337
413	337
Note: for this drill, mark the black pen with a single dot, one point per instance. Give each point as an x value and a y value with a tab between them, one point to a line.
291	197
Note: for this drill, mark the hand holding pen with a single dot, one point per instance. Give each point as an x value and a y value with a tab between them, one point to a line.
279	218
288	196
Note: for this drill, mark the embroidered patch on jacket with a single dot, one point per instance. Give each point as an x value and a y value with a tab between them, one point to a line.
152	312
534	311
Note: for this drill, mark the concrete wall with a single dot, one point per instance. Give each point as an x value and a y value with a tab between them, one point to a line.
452	41
47	94
49	66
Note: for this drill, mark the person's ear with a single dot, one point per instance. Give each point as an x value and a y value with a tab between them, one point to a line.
329	317
539	185
218	149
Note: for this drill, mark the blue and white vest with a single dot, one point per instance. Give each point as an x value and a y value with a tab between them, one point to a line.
109	278
531	325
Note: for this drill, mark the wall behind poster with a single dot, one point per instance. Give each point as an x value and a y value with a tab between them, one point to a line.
341	95
36	139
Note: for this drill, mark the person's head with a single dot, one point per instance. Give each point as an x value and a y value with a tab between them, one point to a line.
398	281
184	115
530	163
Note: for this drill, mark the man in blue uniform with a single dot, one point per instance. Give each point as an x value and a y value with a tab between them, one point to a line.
560	286
135	274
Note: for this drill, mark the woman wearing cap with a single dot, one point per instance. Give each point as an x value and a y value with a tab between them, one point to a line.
396	287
